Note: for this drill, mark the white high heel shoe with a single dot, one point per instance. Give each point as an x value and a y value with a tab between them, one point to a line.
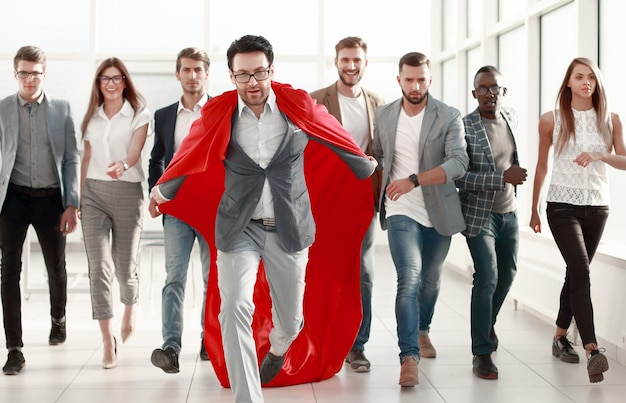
113	363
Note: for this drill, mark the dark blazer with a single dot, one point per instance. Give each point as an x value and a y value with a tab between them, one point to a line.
441	143
329	98
63	144
163	149
477	189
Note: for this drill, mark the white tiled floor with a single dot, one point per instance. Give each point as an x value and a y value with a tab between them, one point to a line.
71	372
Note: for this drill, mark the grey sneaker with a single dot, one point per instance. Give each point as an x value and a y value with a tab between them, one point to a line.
358	362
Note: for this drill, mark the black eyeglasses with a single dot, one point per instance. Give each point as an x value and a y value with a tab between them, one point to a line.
116	79
29	74
259	76
494	89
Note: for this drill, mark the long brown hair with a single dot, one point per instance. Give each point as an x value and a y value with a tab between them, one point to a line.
136	100
564	104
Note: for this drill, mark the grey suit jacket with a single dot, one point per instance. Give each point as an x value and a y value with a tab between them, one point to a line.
441	143
292	207
477	188
329	98
63	143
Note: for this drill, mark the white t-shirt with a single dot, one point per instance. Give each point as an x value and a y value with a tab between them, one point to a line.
110	141
405	163
354	119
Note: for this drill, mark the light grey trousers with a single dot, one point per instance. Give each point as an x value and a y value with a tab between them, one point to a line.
111	217
237	272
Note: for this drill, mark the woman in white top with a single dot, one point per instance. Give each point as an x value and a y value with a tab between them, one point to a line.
584	134
114	129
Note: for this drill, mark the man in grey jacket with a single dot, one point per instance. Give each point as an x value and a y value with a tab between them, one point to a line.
419	144
38	187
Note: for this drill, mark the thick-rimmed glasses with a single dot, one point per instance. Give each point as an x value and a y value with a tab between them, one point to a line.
24	75
116	79
258	76
494	90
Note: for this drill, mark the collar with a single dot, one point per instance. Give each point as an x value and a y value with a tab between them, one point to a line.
197	106
23	102
127	110
270	102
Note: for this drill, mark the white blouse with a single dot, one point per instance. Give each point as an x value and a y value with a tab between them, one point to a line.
572	183
110	141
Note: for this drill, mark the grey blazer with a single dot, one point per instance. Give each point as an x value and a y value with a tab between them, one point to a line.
441	143
292	208
63	143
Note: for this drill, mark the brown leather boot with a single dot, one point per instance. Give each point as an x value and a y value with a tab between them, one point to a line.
408	372
426	348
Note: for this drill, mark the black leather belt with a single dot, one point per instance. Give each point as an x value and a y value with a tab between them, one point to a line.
266	222
35	192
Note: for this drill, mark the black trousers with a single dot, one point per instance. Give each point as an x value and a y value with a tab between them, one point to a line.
577	231
41	208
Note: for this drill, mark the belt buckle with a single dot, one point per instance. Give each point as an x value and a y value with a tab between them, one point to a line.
269	222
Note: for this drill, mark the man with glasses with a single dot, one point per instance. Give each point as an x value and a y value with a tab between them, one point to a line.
250	144
354	107
40	186
171	125
488	200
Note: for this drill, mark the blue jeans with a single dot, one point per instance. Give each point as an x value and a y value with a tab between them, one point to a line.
179	237
418	253
494	252
367	280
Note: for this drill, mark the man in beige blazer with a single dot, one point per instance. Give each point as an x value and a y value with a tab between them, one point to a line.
354	108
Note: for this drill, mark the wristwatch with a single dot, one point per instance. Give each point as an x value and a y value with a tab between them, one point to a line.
125	165
414	179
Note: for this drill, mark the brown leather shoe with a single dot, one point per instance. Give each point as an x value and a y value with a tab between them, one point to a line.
426	348
408	372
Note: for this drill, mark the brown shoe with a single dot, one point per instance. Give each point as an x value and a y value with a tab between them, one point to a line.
426	348
408	372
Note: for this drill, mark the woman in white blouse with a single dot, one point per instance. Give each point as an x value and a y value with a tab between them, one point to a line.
114	129
584	134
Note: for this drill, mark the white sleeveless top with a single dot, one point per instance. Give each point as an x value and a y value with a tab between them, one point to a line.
572	183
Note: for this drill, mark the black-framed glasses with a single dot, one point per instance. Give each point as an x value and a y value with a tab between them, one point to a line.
29	74
494	89
258	75
116	79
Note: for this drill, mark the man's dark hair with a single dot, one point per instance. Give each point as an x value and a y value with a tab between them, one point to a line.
487	69
414	59
249	44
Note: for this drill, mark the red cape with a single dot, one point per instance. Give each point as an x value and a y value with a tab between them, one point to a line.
342	207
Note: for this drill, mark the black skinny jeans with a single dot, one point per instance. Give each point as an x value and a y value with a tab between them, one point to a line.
42	209
577	231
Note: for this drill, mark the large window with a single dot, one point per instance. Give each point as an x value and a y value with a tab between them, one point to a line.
612	61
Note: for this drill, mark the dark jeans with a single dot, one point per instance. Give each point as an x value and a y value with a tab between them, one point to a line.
43	211
494	253
577	231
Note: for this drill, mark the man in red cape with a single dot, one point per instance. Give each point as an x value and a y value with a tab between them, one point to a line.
340	204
